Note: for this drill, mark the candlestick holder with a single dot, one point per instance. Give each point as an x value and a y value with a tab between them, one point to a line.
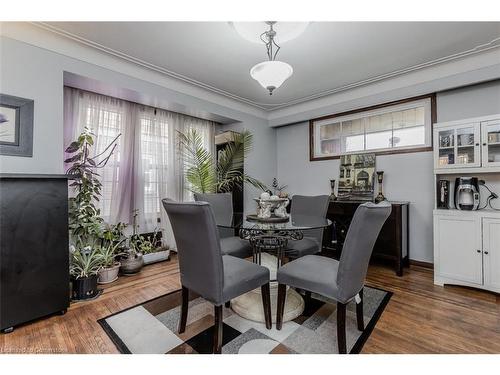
332	194
380	196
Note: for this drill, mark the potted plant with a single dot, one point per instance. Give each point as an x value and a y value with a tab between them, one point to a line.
205	174
85	222
152	249
85	264
109	265
114	233
132	260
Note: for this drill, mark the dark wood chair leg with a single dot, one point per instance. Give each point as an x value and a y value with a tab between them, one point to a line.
359	312
266	302
280	308
307	296
228	304
218	329
184	309
341	327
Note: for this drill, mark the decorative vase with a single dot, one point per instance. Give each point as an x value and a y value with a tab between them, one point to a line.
108	275
131	264
380	196
84	288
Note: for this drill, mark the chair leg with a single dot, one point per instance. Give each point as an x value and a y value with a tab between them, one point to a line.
218	329
280	309
184	309
341	327
307	296
266	302
359	312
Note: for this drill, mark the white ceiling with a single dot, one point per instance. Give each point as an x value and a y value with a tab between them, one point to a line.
328	56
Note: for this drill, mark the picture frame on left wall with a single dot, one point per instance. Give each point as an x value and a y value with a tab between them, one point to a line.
16	126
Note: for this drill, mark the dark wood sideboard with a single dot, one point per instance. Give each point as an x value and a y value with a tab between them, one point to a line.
34	257
393	243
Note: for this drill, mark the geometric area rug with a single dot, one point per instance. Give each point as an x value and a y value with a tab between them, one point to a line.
151	328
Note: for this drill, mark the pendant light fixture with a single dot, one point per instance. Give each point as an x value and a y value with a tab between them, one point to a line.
272	73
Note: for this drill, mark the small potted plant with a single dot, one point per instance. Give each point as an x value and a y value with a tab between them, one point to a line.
152	249
110	266
132	260
85	265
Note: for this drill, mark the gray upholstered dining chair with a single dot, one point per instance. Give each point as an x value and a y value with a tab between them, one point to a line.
340	280
308	206
222	206
204	270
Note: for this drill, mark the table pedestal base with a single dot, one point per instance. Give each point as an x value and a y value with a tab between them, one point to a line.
249	305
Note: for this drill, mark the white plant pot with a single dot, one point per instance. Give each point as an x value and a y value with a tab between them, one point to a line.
108	275
156	257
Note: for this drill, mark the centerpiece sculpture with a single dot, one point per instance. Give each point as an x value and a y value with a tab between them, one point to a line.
271	209
272	204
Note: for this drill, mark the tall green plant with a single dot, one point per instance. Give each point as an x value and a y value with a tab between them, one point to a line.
199	166
85	223
205	174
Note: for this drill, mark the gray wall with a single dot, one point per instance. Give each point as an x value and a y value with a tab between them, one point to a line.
470	101
261	162
407	176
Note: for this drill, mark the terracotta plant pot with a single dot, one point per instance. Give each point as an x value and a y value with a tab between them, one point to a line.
108	275
131	264
84	288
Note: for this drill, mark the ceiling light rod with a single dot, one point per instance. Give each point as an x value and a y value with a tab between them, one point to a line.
268	38
272	73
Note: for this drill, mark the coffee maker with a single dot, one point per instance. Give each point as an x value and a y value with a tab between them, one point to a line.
467	193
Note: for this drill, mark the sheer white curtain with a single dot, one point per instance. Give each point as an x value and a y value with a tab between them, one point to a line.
145	166
107	117
159	167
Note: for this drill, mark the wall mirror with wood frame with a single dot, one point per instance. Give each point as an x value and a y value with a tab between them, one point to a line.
395	127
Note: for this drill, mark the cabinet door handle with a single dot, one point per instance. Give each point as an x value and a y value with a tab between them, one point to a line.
477	144
486	252
484	144
478	251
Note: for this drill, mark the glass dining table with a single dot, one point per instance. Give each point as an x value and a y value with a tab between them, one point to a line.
272	237
269	241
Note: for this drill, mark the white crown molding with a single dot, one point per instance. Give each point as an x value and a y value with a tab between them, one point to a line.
145	64
493	44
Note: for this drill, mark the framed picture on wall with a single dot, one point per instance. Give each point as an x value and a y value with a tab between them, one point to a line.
16	126
356	177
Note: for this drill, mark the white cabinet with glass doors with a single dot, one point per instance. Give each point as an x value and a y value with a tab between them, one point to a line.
490	138
470	144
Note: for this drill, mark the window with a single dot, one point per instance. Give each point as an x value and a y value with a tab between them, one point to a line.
154	159
106	120
145	166
388	128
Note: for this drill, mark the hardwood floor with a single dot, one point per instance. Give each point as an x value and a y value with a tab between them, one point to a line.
420	318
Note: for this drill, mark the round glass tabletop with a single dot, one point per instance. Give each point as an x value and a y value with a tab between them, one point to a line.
295	222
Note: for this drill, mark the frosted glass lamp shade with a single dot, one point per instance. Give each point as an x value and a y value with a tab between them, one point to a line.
271	74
